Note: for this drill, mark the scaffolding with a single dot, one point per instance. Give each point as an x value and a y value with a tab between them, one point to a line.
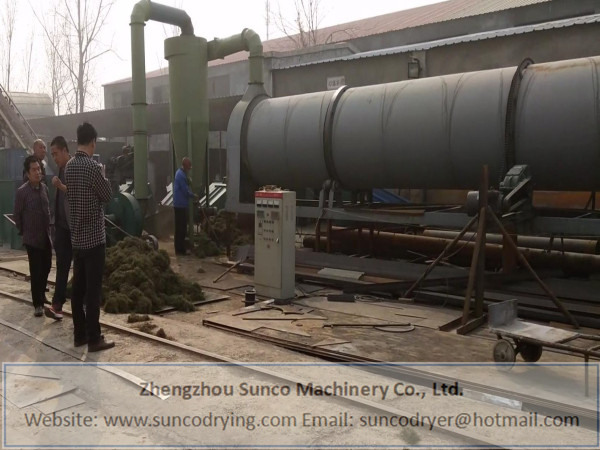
13	125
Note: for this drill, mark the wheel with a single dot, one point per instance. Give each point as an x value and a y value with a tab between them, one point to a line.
504	352
127	213
530	352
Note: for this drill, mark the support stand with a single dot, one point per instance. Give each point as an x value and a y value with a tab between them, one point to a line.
475	283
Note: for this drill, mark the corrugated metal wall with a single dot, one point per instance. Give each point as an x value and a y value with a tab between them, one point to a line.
11	177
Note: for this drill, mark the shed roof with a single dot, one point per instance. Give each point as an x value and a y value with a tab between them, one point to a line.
435	13
33	105
583	20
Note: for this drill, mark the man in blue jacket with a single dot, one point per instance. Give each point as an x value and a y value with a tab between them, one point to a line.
182	194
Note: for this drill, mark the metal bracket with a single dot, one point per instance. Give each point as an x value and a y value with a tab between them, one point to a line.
334	195
329	196
517	189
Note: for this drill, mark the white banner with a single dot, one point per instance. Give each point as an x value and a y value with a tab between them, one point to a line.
299	405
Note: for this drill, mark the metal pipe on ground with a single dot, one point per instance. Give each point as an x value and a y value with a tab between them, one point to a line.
588	246
388	244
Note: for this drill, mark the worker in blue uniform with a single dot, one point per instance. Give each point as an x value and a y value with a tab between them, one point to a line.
182	194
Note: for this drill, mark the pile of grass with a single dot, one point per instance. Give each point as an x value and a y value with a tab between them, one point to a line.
134	318
139	279
220	234
204	246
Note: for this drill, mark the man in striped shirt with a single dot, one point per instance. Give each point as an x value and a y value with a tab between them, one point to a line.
87	190
32	218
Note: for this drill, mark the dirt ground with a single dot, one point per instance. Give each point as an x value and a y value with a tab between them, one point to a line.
185	328
26	338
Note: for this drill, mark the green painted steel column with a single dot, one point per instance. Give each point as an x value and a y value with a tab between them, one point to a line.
187	56
139	16
188	129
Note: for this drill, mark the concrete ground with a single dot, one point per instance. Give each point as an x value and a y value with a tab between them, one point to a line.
95	393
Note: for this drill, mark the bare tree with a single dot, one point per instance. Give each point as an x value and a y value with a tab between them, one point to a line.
268	15
303	28
55	44
8	22
28	57
83	21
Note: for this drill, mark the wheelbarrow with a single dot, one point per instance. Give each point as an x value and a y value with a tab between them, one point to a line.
528	339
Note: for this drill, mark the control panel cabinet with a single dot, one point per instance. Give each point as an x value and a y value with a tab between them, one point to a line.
274	243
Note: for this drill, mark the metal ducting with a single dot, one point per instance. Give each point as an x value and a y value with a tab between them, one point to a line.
188	57
433	133
143	11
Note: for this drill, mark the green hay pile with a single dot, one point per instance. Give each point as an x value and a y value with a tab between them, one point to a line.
133	318
205	246
147	327
139	279
220	235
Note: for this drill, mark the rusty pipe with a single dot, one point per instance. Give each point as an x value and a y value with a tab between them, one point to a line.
388	244
589	246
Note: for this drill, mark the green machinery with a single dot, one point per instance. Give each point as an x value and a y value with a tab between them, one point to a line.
124	215
188	56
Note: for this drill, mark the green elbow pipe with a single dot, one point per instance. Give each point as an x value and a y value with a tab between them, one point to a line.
247	40
140	13
253	42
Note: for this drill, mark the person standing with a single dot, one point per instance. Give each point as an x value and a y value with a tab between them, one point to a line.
87	190
62	233
39	151
32	218
182	194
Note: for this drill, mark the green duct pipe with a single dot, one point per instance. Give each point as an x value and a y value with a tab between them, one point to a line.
247	40
142	12
139	16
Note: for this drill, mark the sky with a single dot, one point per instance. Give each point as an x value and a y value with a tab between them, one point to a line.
220	18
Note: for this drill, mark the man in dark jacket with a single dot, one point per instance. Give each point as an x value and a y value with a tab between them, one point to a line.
32	218
62	233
